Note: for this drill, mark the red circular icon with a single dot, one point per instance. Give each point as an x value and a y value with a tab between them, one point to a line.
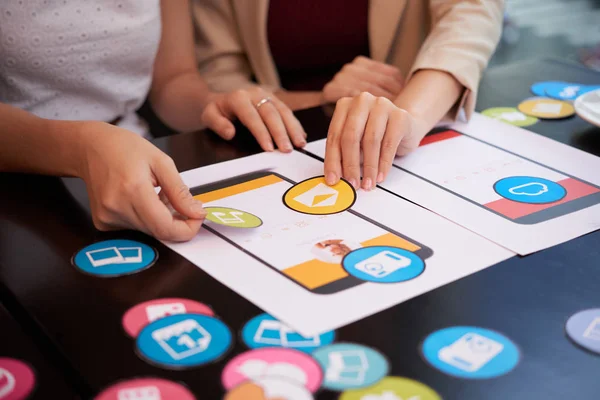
146	389
142	314
16	379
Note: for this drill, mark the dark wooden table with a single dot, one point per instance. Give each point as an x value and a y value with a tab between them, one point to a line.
77	318
38	353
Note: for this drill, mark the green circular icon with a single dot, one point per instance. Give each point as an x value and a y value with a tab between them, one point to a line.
232	217
393	388
510	115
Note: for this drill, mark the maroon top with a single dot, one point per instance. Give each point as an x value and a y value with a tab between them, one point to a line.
311	40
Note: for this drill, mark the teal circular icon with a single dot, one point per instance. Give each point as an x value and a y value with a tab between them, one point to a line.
383	264
350	366
265	330
112	258
530	190
183	340
470	352
584	329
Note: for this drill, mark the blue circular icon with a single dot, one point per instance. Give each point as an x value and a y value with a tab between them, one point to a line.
350	366
470	352
114	258
383	264
183	340
529	189
564	91
265	330
584	329
539	88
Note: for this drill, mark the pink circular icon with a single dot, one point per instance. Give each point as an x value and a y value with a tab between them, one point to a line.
147	389
270	362
16	379
142	314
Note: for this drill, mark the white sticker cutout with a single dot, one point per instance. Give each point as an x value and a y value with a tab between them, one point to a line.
319	196
177	339
347	367
470	352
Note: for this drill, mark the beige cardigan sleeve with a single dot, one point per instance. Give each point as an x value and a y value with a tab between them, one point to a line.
463	36
222	61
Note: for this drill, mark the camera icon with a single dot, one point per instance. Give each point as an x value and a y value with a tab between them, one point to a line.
383	264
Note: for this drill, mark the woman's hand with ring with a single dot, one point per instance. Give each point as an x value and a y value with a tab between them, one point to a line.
267	118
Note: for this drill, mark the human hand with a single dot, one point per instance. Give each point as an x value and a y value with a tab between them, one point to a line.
121	171
364	75
267	120
371	125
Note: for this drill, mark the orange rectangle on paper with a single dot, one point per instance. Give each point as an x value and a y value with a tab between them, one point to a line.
513	209
316	273
438	137
237	189
389	239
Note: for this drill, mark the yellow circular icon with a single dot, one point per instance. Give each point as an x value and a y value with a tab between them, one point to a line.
314	196
546	108
393	387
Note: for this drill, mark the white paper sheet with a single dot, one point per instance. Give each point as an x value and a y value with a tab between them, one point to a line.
468	167
456	251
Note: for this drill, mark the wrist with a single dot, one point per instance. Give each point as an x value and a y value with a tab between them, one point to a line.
73	146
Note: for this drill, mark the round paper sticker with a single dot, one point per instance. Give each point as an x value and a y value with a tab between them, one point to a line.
547	108
584	329
146	389
183	340
510	116
267	331
587	107
470	352
564	91
286	364
383	264
530	190
112	258
539	88
232	217
149	311
393	388
269	389
350	366
314	196
17	379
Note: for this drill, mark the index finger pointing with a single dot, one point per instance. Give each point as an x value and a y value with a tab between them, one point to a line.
333	154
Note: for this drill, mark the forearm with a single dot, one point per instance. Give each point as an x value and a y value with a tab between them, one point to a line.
36	145
180	101
300	100
428	97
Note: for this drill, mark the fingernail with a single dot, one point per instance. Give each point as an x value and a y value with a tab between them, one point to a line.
353	183
302	143
380	177
287	147
269	147
367	184
197	207
330	178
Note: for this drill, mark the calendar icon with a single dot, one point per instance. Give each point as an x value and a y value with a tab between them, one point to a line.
182	339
